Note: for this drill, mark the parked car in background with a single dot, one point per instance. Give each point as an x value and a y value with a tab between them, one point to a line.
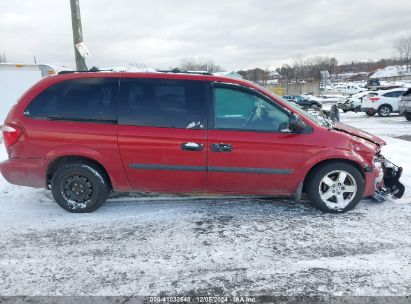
373	84
312	97
385	103
353	103
303	102
404	105
82	135
349	89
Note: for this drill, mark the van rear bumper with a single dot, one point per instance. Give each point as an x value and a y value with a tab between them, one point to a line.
25	172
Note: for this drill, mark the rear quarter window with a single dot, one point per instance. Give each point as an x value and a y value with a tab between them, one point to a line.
91	99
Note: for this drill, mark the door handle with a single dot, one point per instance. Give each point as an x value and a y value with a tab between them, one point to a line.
221	148
192	146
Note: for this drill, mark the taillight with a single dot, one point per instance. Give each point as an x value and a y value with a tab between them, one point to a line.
11	135
374	99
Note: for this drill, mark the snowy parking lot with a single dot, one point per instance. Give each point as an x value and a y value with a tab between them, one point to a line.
153	246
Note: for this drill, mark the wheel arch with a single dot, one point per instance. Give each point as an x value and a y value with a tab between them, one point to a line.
385	104
328	161
63	160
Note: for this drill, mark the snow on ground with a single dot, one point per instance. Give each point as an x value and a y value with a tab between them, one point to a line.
152	246
391	71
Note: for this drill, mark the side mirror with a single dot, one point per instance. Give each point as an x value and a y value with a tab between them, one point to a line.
296	125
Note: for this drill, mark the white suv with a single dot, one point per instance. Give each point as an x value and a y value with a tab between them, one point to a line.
384	103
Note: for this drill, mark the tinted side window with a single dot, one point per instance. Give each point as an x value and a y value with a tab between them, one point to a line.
163	103
239	110
91	99
393	94
397	93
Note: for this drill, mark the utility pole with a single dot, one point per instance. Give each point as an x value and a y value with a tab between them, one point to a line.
77	34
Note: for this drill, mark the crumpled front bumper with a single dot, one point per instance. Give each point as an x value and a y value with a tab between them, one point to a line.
388	183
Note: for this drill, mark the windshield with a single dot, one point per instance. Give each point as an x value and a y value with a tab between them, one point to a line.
317	119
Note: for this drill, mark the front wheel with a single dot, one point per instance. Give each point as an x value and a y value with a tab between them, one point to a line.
408	116
335	187
79	187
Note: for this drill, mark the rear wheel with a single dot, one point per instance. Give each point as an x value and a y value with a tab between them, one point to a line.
384	111
335	187
79	187
370	112
408	116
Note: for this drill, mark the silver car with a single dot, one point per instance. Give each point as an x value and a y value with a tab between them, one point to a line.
404	105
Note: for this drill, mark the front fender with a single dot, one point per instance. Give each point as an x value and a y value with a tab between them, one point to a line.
335	154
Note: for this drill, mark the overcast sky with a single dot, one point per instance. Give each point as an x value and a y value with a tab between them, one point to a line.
234	33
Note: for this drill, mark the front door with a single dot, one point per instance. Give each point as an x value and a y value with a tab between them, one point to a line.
162	134
250	150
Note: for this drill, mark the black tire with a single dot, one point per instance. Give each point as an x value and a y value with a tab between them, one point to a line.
370	113
315	186
79	187
384	111
345	110
408	116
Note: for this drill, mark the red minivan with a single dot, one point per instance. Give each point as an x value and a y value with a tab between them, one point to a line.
84	134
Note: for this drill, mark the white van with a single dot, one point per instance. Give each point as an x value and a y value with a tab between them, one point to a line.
15	79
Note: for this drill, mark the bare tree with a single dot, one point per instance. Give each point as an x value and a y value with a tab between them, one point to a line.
256	75
308	67
3	57
299	67
286	71
199	64
403	47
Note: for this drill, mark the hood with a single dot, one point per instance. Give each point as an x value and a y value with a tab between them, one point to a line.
359	133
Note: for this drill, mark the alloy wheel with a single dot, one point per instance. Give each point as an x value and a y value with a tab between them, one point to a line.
385	111
337	189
